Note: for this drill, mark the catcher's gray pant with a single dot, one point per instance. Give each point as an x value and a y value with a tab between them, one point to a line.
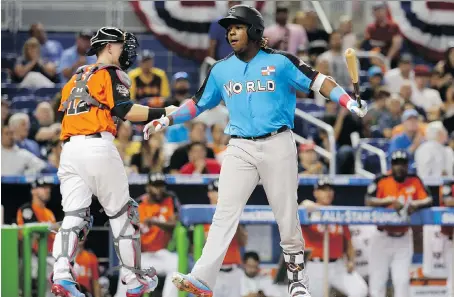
274	161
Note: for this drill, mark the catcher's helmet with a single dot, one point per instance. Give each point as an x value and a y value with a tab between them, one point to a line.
107	35
245	14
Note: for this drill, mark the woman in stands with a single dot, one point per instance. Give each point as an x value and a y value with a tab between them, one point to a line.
31	71
151	156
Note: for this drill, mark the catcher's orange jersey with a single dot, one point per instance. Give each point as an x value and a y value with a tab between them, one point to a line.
233	255
412	188
313	237
154	238
82	119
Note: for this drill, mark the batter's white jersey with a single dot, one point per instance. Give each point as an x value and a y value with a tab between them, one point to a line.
361	235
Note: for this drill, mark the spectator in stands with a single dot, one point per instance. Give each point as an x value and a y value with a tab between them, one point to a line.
219	143
148	81
36	211
396	77
317	38
151	156
411	138
180	89
392	117
433	158
284	36
422	95
31	71
54	155
219	48
377	111
15	160
197	133
383	33
344	125
124	143
74	57
309	164
445	69
5	110
43	128
51	50
198	161
158	214
19	124
341	253
406	92
87	271
229	273
335	57
321	66
348	36
375	76
254	283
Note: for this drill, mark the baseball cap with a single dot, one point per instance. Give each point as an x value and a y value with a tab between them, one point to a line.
399	155
382	92
157	179
422	70
409	113
374	70
42	181
213	185
146	55
323	182
406	58
85	34
180	75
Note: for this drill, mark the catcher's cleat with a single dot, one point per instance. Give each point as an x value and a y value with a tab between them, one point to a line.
190	284
148	285
65	288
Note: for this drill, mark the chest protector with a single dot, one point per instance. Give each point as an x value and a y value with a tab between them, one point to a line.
81	91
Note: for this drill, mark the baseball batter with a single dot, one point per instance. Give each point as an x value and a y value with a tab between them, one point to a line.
258	85
391	247
91	165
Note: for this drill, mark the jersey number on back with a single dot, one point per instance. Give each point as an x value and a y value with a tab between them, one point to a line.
77	106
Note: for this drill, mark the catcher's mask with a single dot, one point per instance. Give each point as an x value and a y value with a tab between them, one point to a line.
107	35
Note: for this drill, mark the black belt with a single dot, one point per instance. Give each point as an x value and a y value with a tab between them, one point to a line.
227	268
392	234
280	130
321	260
94	135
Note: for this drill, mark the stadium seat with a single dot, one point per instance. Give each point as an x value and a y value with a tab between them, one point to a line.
8	60
370	161
5	76
23	104
46	93
14	91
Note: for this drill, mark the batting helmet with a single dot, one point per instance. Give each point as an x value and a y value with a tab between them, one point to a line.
107	35
399	156
245	14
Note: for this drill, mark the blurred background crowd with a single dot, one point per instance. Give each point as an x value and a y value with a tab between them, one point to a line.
410	97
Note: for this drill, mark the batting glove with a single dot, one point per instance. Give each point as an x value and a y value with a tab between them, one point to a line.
155	126
353	107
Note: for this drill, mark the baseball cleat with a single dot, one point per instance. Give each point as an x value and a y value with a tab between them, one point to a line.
65	288
150	284
190	284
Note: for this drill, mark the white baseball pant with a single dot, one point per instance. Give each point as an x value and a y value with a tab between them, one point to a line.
165	263
361	240
92	166
349	284
274	161
390	252
227	284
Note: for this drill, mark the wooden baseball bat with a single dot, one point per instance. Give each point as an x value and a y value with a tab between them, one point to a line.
352	66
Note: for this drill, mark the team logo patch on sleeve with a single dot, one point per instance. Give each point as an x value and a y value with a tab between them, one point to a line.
122	90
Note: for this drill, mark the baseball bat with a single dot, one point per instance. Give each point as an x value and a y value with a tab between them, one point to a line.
352	66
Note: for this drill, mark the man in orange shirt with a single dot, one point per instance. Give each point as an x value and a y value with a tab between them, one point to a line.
158	213
36	211
93	99
341	273
228	283
87	271
392	246
447	200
